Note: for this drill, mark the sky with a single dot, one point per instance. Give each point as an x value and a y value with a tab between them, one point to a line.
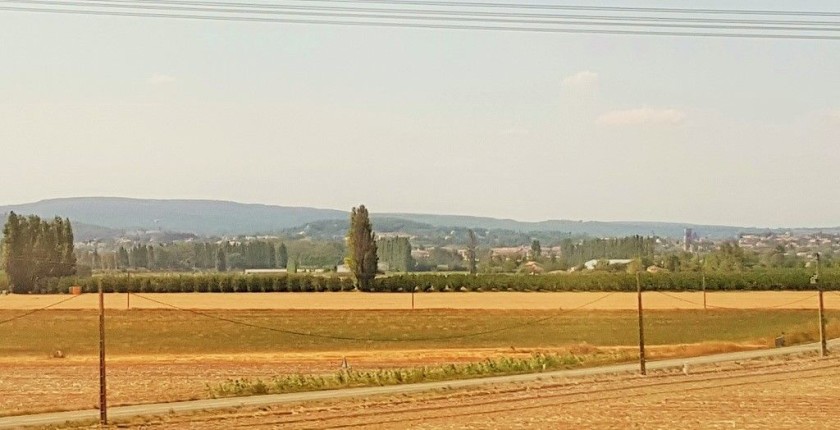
529	126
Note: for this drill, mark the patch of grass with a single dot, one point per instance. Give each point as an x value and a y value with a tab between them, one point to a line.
148	332
810	332
538	362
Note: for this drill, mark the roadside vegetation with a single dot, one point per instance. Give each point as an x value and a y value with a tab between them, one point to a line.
348	378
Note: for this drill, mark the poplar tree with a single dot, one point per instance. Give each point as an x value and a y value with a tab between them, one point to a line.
361	246
471	245
282	256
36	249
221	260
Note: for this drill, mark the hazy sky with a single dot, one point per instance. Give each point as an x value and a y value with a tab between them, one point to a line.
518	125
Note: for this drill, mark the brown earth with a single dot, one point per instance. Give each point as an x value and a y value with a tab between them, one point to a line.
30	384
494	300
793	393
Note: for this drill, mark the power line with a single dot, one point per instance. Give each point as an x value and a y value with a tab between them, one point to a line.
369	339
585	8
36	310
730	308
496	18
423	25
239	7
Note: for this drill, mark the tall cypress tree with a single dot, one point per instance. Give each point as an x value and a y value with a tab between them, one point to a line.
68	260
221	260
282	256
361	246
471	245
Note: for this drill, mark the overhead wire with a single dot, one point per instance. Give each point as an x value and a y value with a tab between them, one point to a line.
373	339
413	16
240	7
582	8
417	19
17	317
740	308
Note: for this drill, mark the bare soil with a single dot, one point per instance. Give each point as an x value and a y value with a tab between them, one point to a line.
34	385
770	394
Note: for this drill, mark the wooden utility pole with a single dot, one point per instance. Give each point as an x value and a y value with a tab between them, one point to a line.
103	397
704	289
642	369
816	280
128	291
412	297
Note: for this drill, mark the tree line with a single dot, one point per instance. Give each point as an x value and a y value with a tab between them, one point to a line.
35	249
208	256
797	280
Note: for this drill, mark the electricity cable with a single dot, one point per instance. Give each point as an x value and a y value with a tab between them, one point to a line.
731	308
786	34
261	8
36	310
368	339
491	5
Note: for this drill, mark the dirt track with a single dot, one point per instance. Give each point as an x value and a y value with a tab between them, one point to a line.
795	394
496	300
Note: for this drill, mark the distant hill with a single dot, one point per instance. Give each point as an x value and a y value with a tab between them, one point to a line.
591	228
104	216
202	217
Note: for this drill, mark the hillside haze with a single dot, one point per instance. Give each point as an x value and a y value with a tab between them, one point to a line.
202	217
108	216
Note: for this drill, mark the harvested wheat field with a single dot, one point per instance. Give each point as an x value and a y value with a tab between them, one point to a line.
487	300
792	393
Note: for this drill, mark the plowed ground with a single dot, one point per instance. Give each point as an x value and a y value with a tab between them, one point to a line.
793	394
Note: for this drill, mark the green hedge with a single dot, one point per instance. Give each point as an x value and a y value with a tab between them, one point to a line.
221	283
595	281
758	281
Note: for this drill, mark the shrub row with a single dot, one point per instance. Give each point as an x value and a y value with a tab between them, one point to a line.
220	283
684	281
230	283
350	378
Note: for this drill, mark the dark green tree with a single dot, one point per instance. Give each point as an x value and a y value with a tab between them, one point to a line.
472	243
123	260
282	256
36	249
361	246
536	249
272	256
221	260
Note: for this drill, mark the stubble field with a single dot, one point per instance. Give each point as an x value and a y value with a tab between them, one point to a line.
487	300
793	393
167	354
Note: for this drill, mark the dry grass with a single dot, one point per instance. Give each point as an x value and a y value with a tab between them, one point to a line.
394	301
167	355
171	332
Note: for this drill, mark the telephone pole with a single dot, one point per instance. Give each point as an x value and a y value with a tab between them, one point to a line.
642	369
816	280
103	397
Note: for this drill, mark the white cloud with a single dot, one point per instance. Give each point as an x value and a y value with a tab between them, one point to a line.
643	116
160	79
582	79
